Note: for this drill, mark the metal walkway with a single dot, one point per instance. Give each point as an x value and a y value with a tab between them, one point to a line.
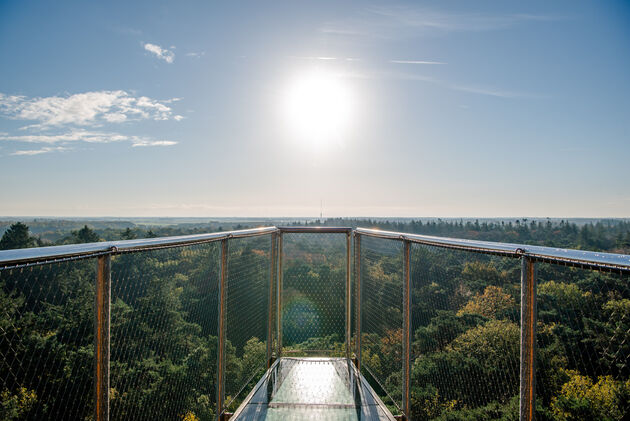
312	389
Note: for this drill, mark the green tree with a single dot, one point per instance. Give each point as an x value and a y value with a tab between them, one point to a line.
17	237
493	303
85	235
485	355
13	407
128	234
581	398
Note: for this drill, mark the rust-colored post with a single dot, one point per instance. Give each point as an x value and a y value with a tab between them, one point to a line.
270	310
221	330
348	292
279	299
406	336
101	337
528	340
358	313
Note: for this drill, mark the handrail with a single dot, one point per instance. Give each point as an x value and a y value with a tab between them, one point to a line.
568	257
319	230
39	254
471	245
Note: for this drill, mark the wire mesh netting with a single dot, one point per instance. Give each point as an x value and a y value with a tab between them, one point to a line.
465	334
464	329
382	322
247	316
164	316
313	294
46	341
583	337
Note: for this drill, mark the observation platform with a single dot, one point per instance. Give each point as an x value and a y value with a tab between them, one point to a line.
312	389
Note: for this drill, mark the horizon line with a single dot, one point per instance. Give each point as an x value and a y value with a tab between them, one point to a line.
307	217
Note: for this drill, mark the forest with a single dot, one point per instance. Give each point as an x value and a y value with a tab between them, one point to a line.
465	322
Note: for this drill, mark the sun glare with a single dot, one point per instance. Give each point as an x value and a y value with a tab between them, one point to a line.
318	108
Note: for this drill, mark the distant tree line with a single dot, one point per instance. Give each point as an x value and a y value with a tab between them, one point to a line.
602	235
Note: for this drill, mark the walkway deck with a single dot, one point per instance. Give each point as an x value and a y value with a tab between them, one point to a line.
312	389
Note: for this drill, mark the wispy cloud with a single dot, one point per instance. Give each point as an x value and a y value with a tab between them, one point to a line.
473	89
76	135
496	92
79	136
60	121
403	21
416	62
196	54
161	53
324	58
423	18
149	142
83	109
45	149
127	31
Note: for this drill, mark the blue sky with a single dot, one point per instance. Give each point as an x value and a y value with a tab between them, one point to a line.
176	108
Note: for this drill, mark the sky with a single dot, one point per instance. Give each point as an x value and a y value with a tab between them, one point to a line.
292	108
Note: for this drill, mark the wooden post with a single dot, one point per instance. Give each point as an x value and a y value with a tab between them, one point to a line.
528	340
101	337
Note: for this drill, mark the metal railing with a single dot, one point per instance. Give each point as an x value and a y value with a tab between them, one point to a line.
530	257
378	334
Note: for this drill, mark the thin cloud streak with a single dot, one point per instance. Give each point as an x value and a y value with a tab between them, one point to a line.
80	136
423	18
416	62
479	90
324	58
490	91
77	135
46	149
393	22
140	142
159	52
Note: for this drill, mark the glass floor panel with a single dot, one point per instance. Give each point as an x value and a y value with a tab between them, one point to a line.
312	389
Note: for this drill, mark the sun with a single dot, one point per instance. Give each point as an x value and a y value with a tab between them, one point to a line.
318	108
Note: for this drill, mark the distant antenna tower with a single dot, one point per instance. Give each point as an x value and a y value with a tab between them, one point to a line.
321	210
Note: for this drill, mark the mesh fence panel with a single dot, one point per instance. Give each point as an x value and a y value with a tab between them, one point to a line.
382	323
465	315
313	294
583	337
247	317
466	334
164	316
47	341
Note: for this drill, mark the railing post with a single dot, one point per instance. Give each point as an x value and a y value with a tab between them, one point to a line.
348	292
528	340
357	282
101	337
221	330
279	299
272	281
406	336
